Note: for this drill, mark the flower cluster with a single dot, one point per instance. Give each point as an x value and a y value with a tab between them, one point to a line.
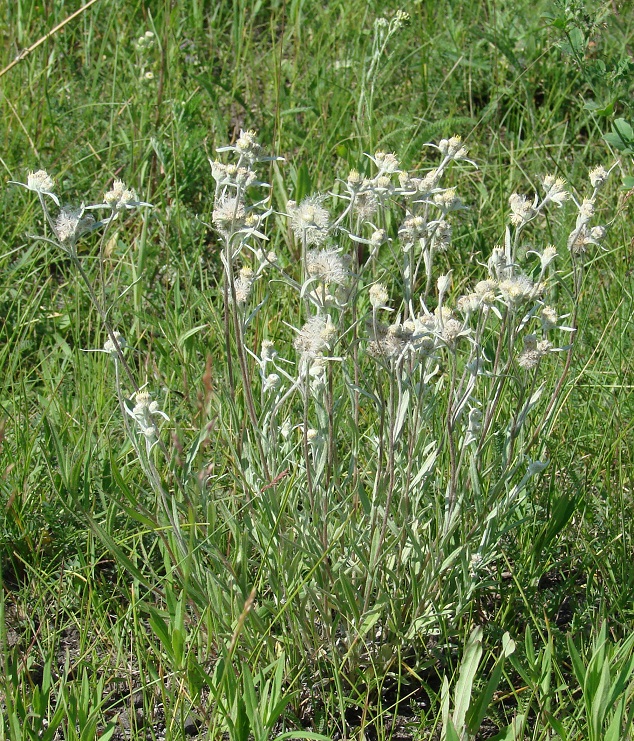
73	222
143	413
310	221
316	336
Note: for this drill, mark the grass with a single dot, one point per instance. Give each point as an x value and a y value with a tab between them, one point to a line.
251	617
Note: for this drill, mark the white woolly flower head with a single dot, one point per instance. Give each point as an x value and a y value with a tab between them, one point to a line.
447	200
247	148
271	383
549	318
119	197
309	220
39	182
522	210
429	181
452	330
268	352
401	18
442	231
498	265
326	265
109	345
145	41
231	174
444	283
517	290
71	223
229	215
586	210
597	233
386	162
486	291
453	148
315	336
243	285
143	414
469	303
474	427
354	180
247	145
598	176
547	256
379	296
555	190
378	237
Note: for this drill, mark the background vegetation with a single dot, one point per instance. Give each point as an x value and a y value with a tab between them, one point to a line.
102	635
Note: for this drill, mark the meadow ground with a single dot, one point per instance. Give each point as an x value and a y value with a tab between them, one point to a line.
356	461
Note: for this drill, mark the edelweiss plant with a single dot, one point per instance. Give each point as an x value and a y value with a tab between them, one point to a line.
67	228
419	415
386	433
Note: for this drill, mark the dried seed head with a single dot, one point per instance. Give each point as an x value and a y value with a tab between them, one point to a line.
366	204
309	220
315	336
533	352
393	342
71	224
413	228
327	265
529	359
229	215
243	285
